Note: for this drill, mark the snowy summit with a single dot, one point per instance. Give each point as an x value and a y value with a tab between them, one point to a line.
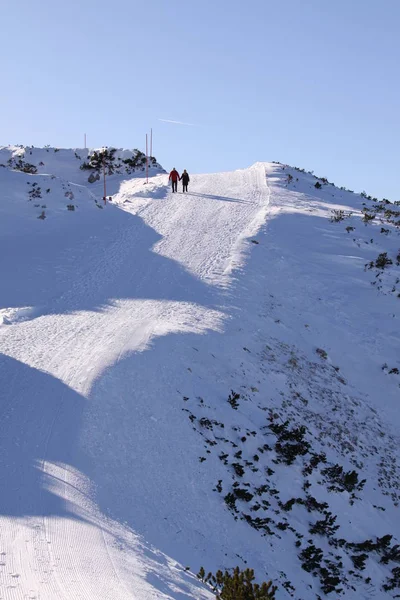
208	379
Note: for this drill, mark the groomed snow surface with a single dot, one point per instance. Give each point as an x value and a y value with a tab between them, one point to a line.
124	331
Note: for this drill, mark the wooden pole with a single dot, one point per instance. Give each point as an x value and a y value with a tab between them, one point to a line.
151	142
85	140
104	175
147	162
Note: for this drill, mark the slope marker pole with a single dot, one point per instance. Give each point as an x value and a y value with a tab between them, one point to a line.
151	142
147	162
104	175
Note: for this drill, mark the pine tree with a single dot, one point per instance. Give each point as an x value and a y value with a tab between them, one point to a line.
238	585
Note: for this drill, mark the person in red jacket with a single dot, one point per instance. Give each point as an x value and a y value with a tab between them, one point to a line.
174	177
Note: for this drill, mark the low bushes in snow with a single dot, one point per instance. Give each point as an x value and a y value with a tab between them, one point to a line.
233	400
339	215
238	585
107	158
381	262
21	165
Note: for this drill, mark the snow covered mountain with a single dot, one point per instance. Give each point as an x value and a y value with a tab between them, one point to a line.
209	379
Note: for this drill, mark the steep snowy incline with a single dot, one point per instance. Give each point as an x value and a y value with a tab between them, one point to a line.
96	473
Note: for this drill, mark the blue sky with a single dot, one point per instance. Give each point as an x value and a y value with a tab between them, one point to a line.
313	83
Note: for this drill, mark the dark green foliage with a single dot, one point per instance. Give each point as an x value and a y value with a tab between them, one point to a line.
230	501
337	216
239	470
312	504
261	490
392	554
315	460
318	185
289	504
205	423
238	585
233	400
383	261
325	526
138	160
394	581
382	545
99	160
311	558
368	217
359	561
329	578
341	481
258	523
35	192
340	215
291	442
223	456
242	494
350	481
25	167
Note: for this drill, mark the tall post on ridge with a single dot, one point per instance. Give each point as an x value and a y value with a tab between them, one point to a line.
151	142
104	175
147	161
85	140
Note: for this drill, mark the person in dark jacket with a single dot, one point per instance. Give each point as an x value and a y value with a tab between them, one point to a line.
174	177
185	180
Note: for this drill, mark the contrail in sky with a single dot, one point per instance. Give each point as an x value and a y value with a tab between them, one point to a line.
177	122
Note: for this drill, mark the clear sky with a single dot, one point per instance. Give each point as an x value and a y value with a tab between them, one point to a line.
312	83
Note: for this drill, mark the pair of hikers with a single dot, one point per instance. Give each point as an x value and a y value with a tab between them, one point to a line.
174	177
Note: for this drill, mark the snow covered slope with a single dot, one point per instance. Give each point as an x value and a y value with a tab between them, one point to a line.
201	380
68	164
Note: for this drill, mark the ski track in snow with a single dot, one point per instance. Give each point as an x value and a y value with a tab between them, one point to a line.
67	550
120	323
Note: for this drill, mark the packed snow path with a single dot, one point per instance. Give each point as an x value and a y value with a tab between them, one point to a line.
82	444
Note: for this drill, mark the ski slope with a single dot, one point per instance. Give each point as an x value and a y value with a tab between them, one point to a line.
120	323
